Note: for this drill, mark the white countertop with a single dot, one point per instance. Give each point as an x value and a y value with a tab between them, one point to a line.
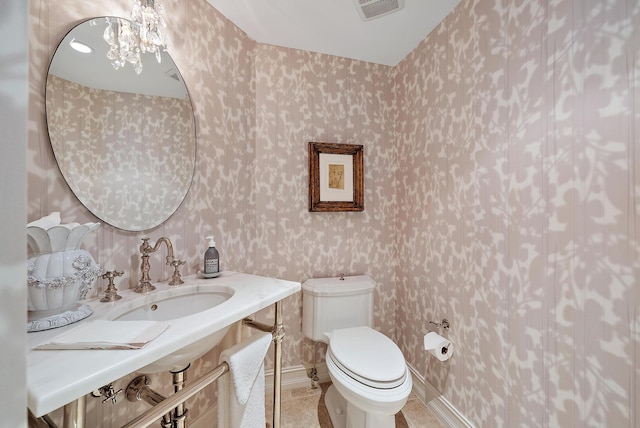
55	378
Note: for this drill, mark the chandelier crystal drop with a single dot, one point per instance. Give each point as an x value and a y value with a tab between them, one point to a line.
147	14
128	40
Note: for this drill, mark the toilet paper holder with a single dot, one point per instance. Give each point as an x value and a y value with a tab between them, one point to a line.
444	324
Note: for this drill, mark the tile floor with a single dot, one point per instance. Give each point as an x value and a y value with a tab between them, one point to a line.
302	408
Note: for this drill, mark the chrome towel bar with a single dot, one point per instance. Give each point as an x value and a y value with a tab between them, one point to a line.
277	330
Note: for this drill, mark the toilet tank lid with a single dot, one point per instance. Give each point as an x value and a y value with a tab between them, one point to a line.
336	286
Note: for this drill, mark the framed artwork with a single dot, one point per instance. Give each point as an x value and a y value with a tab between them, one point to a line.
336	177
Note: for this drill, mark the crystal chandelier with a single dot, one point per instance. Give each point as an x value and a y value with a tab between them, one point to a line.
129	39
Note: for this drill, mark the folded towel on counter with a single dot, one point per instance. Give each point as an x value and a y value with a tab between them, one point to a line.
241	393
103	334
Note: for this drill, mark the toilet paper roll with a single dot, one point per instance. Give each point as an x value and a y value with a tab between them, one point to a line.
438	346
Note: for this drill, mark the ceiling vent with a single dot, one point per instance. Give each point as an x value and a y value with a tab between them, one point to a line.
172	73
369	9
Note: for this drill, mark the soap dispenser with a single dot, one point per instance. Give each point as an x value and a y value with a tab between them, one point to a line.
211	259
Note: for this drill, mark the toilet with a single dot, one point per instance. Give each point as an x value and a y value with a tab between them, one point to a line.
370	378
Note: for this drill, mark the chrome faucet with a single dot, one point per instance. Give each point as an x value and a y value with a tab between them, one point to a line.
145	285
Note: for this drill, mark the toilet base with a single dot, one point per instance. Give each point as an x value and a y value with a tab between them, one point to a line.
345	415
336	406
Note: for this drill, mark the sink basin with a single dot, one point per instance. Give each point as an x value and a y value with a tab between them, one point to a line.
172	305
171	308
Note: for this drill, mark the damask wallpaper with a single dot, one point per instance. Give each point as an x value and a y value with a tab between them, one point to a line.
516	126
216	61
107	143
501	192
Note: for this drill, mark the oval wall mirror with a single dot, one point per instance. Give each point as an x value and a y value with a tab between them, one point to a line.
124	142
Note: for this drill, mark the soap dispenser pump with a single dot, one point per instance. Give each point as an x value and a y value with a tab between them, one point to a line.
211	258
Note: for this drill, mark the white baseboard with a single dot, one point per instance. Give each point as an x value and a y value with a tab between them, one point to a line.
296	377
292	377
446	413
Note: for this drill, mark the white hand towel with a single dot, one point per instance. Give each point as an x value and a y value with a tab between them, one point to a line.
103	334
241	394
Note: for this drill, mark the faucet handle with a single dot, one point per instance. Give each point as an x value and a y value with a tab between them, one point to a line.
176	279
111	293
110	274
107	391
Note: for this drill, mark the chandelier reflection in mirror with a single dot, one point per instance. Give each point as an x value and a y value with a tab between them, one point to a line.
128	40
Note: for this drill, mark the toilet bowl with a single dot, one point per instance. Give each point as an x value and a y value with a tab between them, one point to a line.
370	378
370	375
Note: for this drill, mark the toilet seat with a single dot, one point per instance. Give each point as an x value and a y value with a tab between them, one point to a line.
368	356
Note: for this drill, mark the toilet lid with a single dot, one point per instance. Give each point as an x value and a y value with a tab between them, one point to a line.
368	356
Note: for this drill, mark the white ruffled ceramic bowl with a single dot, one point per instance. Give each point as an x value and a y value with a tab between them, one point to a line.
57	281
47	235
59	273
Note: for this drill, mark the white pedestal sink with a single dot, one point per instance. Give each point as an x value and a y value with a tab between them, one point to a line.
170	305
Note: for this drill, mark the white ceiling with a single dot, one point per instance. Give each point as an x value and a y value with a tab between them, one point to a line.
95	71
327	26
335	27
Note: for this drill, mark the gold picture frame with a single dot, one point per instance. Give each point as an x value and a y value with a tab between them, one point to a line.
336	177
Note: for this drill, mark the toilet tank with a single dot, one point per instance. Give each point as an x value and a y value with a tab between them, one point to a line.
329	304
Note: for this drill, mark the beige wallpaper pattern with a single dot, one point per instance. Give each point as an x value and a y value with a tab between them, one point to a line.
302	97
501	192
517	126
216	62
129	157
